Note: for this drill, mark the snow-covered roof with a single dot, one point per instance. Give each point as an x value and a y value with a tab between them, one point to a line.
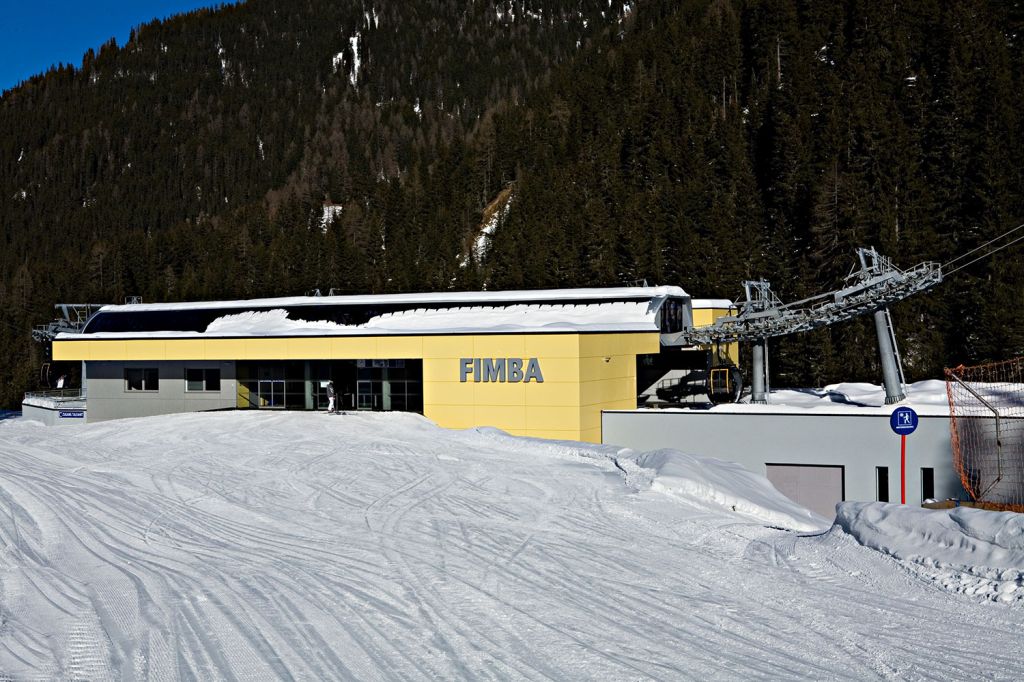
623	309
701	303
426	299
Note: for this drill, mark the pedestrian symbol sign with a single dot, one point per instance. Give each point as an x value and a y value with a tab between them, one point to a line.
903	421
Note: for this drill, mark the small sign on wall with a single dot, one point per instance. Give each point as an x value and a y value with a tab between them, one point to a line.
71	414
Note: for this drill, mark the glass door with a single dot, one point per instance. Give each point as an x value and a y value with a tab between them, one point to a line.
369	395
270	388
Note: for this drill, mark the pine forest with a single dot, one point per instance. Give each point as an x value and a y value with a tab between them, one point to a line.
270	149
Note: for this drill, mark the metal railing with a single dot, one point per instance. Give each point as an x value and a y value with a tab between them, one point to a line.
58	395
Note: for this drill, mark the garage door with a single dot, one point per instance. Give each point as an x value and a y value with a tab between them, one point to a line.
816	487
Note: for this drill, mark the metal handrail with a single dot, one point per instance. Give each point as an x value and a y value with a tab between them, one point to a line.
57	394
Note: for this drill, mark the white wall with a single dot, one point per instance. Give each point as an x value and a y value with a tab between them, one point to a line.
858	442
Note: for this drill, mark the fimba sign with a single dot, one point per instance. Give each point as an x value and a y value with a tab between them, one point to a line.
500	370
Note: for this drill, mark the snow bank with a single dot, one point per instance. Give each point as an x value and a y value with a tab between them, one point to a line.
926	397
618	315
717	484
964	550
266	322
705	483
625	314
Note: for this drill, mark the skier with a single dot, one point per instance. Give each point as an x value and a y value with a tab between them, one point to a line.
332	397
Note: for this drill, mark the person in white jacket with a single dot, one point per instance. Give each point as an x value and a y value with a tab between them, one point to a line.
332	398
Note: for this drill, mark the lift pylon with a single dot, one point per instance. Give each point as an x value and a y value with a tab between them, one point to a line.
870	289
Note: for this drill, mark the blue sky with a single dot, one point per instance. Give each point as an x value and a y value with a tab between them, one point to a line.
37	33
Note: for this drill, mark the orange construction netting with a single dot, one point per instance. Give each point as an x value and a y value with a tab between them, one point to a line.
986	412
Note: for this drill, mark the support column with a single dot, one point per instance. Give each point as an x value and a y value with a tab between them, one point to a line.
890	361
759	384
307	382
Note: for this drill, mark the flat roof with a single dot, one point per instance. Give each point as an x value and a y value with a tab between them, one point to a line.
585	310
424	298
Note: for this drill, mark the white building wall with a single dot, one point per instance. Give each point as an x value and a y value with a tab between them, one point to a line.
858	442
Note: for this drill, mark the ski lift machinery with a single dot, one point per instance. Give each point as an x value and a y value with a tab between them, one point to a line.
870	289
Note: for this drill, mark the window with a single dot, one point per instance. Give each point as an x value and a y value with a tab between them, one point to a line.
882	483
141	379
202	380
927	483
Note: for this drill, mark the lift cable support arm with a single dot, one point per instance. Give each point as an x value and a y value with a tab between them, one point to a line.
874	286
73	317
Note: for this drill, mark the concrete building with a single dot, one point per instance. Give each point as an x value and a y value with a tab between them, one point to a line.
817	457
535	363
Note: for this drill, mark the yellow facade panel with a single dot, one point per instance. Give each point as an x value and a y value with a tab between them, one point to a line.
600	345
607	367
311	348
639	344
213	349
603	345
702	317
447	393
553	393
447	347
558	369
182	349
551	434
400	347
607	390
107	350
551	346
144	349
506	417
354	348
551	417
266	349
590	418
501	394
450	416
498	346
590	435
440	369
71	350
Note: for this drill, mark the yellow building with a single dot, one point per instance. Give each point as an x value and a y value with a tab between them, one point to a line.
535	363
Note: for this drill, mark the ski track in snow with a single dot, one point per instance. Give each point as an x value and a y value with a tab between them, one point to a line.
378	546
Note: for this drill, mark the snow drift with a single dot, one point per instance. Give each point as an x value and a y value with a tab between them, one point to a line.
610	315
717	484
971	551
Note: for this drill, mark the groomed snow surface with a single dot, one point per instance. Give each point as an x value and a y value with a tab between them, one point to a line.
256	545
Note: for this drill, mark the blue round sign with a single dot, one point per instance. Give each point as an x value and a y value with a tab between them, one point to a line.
903	421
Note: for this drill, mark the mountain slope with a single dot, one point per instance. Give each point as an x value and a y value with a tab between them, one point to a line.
259	150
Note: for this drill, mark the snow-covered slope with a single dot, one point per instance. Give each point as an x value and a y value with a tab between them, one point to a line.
256	545
713	484
976	552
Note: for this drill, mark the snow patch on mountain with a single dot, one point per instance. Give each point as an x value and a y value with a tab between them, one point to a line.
354	44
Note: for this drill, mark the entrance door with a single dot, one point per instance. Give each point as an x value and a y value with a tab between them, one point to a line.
369	395
270	387
270	393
